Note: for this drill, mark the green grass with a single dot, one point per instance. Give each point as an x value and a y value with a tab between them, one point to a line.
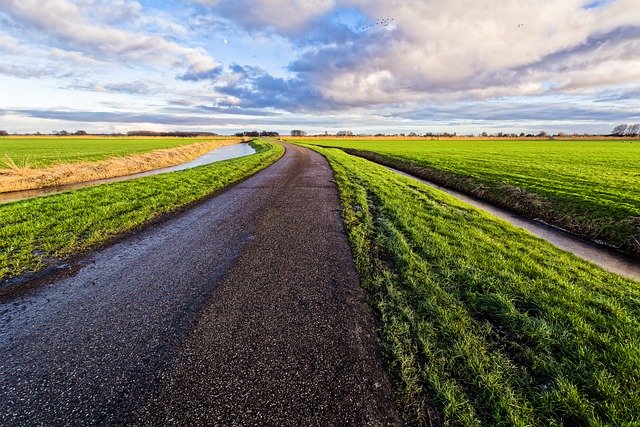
591	188
59	226
483	323
39	152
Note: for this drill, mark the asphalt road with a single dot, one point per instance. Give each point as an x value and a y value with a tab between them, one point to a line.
245	310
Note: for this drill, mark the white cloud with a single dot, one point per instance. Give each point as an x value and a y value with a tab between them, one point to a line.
450	49
306	57
91	37
73	57
486	47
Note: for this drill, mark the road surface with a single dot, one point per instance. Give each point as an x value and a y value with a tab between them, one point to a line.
244	310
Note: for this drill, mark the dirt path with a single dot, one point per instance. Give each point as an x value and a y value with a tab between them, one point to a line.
244	310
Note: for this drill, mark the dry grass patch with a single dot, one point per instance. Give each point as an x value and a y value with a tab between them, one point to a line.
16	177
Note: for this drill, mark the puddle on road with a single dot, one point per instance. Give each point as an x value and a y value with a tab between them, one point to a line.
219	154
609	259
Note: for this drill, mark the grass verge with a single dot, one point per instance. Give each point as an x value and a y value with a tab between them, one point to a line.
38	232
483	323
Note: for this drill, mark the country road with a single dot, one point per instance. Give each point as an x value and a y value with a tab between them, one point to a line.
244	310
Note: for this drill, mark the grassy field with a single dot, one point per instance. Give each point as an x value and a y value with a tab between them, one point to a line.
588	187
483	323
87	165
38	152
40	231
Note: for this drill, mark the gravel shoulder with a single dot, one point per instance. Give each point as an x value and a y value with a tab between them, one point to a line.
243	310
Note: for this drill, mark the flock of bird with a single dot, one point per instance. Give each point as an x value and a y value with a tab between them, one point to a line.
384	22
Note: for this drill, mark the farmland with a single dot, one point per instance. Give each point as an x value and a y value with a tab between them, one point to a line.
481	322
39	152
588	187
41	231
51	162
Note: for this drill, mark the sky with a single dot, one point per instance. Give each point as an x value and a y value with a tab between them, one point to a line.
367	66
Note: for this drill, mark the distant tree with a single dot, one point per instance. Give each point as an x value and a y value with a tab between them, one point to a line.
269	133
521	134
298	132
80	132
542	134
345	133
484	134
633	130
619	130
4	133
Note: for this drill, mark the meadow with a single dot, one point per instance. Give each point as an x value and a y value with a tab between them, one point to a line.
37	233
483	323
30	163
39	152
587	187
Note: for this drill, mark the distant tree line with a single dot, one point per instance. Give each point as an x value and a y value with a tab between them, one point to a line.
626	130
255	134
176	134
4	133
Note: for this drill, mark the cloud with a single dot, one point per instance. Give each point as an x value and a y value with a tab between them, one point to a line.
361	60
24	71
9	45
194	76
286	15
73	57
252	87
91	37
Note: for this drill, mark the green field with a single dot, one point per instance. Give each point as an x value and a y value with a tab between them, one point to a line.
591	188
481	322
36	231
38	152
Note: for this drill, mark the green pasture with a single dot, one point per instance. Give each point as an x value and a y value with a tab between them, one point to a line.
483	323
591	188
38	152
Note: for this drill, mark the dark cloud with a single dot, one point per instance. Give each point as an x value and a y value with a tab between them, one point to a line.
197	76
255	88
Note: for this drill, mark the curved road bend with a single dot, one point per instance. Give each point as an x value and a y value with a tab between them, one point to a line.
243	310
